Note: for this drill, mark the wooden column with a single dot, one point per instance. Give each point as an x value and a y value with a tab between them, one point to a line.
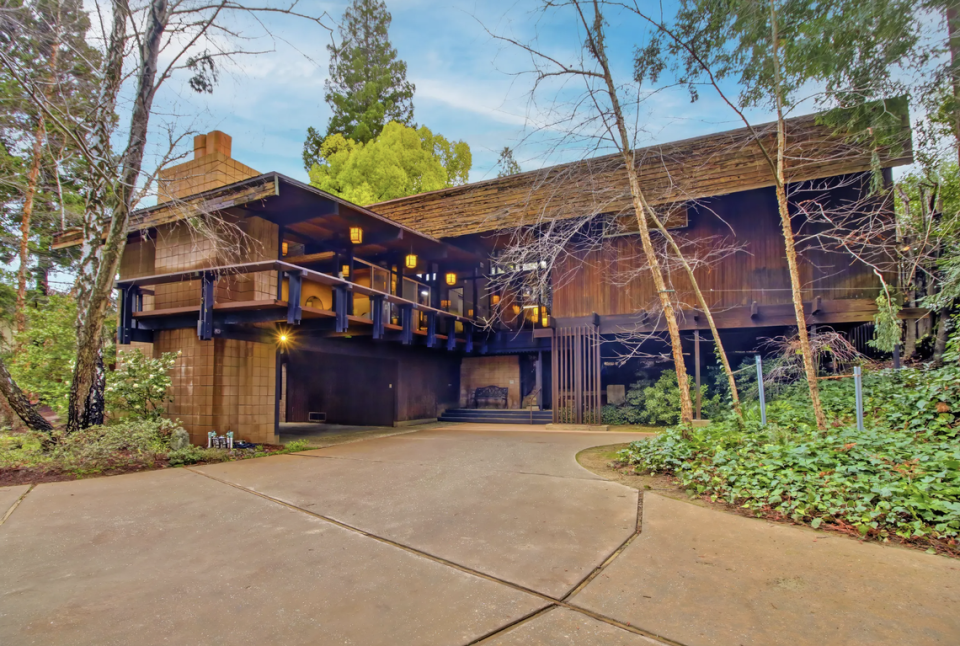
280	231
276	394
350	265
539	385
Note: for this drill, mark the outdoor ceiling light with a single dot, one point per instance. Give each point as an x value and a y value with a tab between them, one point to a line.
410	262
451	278
356	235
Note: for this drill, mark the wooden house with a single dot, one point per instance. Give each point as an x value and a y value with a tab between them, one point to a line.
289	305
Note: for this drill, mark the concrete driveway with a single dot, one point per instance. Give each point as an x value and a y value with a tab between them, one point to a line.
464	535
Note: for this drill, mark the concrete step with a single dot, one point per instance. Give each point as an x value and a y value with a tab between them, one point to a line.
496	416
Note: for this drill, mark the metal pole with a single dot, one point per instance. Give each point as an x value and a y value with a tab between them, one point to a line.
763	401
857	379
896	357
696	361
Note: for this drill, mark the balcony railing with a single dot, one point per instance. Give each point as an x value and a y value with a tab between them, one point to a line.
414	318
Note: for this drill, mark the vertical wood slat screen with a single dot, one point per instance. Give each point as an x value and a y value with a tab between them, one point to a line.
576	375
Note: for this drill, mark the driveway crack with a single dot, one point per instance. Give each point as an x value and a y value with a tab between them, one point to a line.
551	601
16	504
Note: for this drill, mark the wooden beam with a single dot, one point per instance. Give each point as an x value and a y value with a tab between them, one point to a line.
859	310
294	311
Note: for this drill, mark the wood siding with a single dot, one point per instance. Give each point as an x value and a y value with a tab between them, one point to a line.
597	282
692	169
350	380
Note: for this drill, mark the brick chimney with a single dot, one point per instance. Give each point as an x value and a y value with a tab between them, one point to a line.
211	167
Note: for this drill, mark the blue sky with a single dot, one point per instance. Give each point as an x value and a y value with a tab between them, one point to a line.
466	86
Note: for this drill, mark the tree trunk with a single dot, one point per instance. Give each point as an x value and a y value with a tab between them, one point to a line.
641	209
796	286
19	402
33	178
86	393
706	311
940	344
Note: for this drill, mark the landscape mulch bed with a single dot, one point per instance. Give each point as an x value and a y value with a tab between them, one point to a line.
51	473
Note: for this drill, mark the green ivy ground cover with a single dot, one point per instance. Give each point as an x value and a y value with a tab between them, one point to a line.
901	475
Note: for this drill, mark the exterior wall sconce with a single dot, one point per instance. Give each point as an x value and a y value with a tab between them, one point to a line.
445	305
516	310
410	262
284	248
356	235
495	299
451	279
345	271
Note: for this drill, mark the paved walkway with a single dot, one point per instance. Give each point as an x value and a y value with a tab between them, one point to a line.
464	535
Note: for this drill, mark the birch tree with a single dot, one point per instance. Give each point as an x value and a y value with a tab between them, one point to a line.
605	96
194	38
772	48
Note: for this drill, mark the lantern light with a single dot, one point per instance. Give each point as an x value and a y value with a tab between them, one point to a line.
451	278
516	309
285	248
544	317
495	299
345	270
410	262
356	235
445	305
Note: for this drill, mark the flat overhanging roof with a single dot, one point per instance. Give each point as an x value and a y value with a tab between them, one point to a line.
306	214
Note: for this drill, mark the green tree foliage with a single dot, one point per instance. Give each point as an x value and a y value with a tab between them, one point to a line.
43	361
401	161
506	164
848	45
368	84
55	49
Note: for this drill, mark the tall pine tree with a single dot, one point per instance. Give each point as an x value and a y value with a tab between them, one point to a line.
368	84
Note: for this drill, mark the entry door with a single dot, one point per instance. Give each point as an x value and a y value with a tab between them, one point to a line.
576	375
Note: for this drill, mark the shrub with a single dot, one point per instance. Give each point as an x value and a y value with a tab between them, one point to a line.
138	387
656	403
128	442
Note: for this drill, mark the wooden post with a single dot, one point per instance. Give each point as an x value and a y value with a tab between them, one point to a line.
280	257
539	385
276	394
696	360
350	265
578	376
